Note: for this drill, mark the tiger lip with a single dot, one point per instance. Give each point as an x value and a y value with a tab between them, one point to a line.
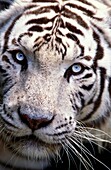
33	139
27	138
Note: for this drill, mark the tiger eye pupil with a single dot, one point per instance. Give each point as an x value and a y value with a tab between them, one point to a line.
20	56
76	68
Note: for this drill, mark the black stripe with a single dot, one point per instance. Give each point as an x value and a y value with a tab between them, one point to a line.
8	123
38	11
61	126
47	37
35	28
62	23
44	9
89	87
85	10
40	44
59	40
6	113
99	51
103	34
60	133
69	14
6	59
77	97
74	38
43	20
8	32
73	29
8	89
22	35
5	74
6	80
109	86
37	45
87	3
87	76
82	99
97	103
2	70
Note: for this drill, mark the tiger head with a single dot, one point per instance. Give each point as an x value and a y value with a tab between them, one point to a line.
53	78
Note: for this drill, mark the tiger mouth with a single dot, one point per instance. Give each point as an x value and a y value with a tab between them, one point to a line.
32	140
32	147
27	138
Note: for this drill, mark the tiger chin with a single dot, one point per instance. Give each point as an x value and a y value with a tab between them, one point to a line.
55	80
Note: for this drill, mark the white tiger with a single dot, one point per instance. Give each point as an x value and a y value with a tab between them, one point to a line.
55	80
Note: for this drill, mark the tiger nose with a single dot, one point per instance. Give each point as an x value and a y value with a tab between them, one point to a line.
35	122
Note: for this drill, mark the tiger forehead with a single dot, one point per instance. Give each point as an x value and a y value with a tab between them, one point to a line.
35	21
45	31
33	30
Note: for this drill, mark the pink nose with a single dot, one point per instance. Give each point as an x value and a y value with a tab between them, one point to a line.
36	122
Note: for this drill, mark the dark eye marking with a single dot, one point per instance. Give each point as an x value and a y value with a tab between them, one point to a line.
75	70
19	57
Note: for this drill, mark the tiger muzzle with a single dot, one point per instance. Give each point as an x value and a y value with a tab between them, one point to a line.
35	120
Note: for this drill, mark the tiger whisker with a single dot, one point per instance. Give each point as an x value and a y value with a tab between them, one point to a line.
86	152
76	153
86	159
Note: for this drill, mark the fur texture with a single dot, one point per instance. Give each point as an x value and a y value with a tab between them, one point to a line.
55	80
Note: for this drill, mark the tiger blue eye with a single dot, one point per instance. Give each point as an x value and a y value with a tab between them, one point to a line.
76	68
20	56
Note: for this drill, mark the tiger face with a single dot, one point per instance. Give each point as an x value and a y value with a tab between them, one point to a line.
53	79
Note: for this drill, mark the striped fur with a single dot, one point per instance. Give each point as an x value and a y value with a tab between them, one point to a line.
55	79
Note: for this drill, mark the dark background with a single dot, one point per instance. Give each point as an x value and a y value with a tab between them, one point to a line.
104	157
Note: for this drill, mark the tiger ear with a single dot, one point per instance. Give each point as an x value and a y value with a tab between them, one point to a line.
4	4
